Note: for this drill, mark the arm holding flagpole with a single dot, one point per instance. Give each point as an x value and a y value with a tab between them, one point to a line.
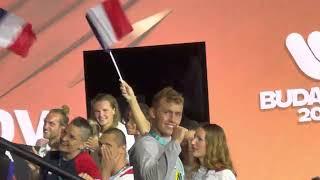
142	123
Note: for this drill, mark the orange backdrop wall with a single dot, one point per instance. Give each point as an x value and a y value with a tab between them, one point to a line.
246	54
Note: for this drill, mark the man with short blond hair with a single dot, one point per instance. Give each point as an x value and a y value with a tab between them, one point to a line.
156	155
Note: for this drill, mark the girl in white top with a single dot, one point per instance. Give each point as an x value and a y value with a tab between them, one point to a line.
213	158
105	110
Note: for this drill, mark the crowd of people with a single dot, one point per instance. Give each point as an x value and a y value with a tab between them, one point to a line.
163	148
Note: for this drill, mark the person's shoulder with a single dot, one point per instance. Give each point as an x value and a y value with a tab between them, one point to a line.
84	163
122	127
145	144
83	154
129	138
225	173
146	139
127	172
83	157
52	155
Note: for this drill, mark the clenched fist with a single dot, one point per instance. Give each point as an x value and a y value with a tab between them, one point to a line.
178	133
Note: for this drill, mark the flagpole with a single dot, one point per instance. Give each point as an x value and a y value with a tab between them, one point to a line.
109	24
114	63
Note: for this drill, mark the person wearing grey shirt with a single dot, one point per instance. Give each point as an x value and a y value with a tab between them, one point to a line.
155	156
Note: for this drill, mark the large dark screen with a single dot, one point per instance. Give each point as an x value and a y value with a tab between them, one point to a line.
148	69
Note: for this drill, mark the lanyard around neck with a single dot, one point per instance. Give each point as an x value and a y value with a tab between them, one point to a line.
179	166
160	139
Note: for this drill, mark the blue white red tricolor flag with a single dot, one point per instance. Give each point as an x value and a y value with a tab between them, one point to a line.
109	24
15	33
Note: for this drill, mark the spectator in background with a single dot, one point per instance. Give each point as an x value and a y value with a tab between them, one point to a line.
114	164
211	151
54	124
72	156
136	117
130	121
105	110
186	146
93	140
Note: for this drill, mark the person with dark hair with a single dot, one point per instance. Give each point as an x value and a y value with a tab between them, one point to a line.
213	158
156	155
130	121
71	155
114	164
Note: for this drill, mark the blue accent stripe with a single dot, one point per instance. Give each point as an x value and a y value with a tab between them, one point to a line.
3	14
10	171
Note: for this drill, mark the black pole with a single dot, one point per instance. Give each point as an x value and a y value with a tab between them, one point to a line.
35	159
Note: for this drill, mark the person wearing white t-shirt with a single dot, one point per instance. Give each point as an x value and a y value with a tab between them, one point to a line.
105	111
212	155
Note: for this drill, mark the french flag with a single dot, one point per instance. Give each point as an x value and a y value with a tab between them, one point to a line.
108	22
15	33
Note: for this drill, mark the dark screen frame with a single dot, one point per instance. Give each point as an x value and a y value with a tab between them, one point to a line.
148	69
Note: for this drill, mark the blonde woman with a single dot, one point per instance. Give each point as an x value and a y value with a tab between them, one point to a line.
105	111
210	148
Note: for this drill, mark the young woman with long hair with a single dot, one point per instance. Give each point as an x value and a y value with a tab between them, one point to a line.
212	154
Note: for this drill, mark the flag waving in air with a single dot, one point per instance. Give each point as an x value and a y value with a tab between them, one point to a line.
109	24
15	33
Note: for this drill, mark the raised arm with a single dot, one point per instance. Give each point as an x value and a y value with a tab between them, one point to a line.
142	123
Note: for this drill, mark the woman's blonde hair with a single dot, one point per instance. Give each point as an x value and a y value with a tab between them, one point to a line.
217	153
